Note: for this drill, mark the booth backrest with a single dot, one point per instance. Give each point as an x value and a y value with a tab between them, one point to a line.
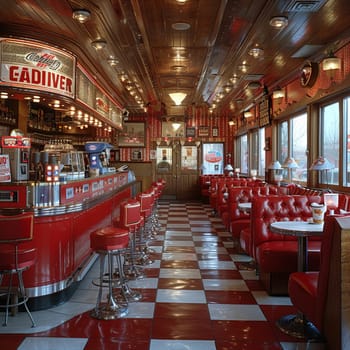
268	209
243	194
295	189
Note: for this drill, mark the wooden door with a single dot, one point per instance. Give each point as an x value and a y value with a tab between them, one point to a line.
178	165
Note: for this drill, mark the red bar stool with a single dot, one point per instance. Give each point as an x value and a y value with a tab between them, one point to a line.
131	220
109	241
14	259
146	200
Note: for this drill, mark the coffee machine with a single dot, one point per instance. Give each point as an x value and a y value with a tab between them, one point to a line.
18	149
99	155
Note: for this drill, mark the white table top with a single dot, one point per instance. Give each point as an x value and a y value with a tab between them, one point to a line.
245	206
296	228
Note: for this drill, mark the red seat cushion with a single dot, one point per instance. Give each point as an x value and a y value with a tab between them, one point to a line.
281	256
25	258
109	238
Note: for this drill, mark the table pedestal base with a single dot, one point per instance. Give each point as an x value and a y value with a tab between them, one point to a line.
298	326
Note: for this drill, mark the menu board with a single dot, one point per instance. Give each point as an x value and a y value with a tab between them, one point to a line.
265	112
86	91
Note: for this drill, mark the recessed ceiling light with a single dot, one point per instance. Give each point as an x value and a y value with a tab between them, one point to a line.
279	22
178	68
256	51
112	61
181	26
99	44
81	15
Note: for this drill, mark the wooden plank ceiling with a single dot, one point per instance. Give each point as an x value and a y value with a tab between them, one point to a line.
194	46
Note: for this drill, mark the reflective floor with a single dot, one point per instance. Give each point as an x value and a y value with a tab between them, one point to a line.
199	294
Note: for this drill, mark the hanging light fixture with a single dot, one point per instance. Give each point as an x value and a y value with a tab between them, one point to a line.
178	97
176	126
247	114
278	93
331	62
81	16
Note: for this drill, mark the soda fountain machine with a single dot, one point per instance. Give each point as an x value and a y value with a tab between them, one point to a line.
99	155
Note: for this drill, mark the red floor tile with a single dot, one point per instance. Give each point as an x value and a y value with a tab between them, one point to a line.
180	328
178	310
239	331
222	274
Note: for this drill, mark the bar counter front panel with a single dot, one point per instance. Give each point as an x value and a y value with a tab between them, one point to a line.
63	222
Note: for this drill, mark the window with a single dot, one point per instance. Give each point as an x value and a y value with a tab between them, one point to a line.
292	142
257	151
346	151
241	158
299	147
329	142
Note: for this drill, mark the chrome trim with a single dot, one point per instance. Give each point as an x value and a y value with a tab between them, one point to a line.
74	208
77	276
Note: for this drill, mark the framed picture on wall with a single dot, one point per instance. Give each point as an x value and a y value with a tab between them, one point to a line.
132	135
173	129
213	158
190	131
203	131
114	155
136	155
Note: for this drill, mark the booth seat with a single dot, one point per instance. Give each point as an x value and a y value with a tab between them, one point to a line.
205	184
233	218
219	188
223	196
275	254
308	290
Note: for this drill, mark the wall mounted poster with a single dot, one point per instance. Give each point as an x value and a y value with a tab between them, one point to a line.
5	171
213	158
133	135
188	158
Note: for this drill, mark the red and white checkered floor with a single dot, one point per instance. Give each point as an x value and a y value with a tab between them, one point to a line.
197	295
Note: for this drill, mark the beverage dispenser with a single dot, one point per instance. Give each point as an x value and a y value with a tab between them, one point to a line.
99	155
18	149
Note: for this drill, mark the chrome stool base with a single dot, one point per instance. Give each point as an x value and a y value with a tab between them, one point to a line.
109	312
130	295
134	273
298	326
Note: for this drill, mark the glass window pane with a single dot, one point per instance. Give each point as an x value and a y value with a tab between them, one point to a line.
299	146
261	166
254	150
347	142
244	154
329	142
283	141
